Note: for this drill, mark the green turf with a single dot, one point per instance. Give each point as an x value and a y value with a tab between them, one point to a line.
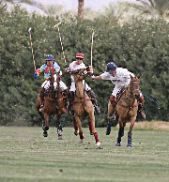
26	156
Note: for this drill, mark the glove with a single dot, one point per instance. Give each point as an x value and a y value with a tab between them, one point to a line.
93	77
35	76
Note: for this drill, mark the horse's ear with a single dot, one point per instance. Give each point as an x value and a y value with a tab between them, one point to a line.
131	76
138	76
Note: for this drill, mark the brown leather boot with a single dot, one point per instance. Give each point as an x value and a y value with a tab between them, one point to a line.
92	95
71	97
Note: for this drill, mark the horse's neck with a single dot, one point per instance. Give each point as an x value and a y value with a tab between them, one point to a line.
128	97
80	89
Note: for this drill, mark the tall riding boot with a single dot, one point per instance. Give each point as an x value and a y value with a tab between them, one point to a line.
111	121
141	107
92	95
41	94
65	95
71	99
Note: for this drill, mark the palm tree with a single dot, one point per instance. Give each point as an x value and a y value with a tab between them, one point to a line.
154	8
49	10
80	9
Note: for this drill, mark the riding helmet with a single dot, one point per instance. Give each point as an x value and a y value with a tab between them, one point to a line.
111	66
49	57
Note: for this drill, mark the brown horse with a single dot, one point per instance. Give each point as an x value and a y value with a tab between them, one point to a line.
83	105
54	104
126	109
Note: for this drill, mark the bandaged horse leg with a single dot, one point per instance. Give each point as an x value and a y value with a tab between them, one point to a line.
92	129
120	134
129	141
59	128
45	127
92	95
111	116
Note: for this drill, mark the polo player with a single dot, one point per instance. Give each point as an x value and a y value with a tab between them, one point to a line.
121	78
50	68
74	66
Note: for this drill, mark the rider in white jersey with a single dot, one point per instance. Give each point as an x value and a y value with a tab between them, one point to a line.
77	65
120	77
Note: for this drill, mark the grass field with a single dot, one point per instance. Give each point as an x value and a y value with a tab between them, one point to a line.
26	156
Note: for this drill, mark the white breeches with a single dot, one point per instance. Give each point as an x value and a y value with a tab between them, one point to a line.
46	85
73	88
117	89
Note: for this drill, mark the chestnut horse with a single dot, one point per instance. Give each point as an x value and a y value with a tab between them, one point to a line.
126	109
54	104
83	105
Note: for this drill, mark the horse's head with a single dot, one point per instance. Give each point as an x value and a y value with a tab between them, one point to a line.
56	79
135	85
79	75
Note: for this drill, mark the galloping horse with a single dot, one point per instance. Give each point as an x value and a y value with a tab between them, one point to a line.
126	109
83	105
54	104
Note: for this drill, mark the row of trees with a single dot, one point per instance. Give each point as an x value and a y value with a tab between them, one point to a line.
142	47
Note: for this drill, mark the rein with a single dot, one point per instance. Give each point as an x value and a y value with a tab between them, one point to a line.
127	106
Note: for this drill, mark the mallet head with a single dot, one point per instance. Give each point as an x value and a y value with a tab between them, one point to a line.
29	30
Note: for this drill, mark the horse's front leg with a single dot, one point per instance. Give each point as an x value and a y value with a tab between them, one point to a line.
45	126
92	128
59	128
129	142
120	133
109	118
79	125
76	132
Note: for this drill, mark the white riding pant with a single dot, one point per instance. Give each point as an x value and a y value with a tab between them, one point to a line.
73	88
46	85
118	88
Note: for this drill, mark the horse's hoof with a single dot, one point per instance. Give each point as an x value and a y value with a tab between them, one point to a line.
60	137
76	133
118	144
81	141
45	134
98	145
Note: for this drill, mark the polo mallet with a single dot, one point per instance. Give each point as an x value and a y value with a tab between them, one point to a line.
57	25
30	38
91	52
